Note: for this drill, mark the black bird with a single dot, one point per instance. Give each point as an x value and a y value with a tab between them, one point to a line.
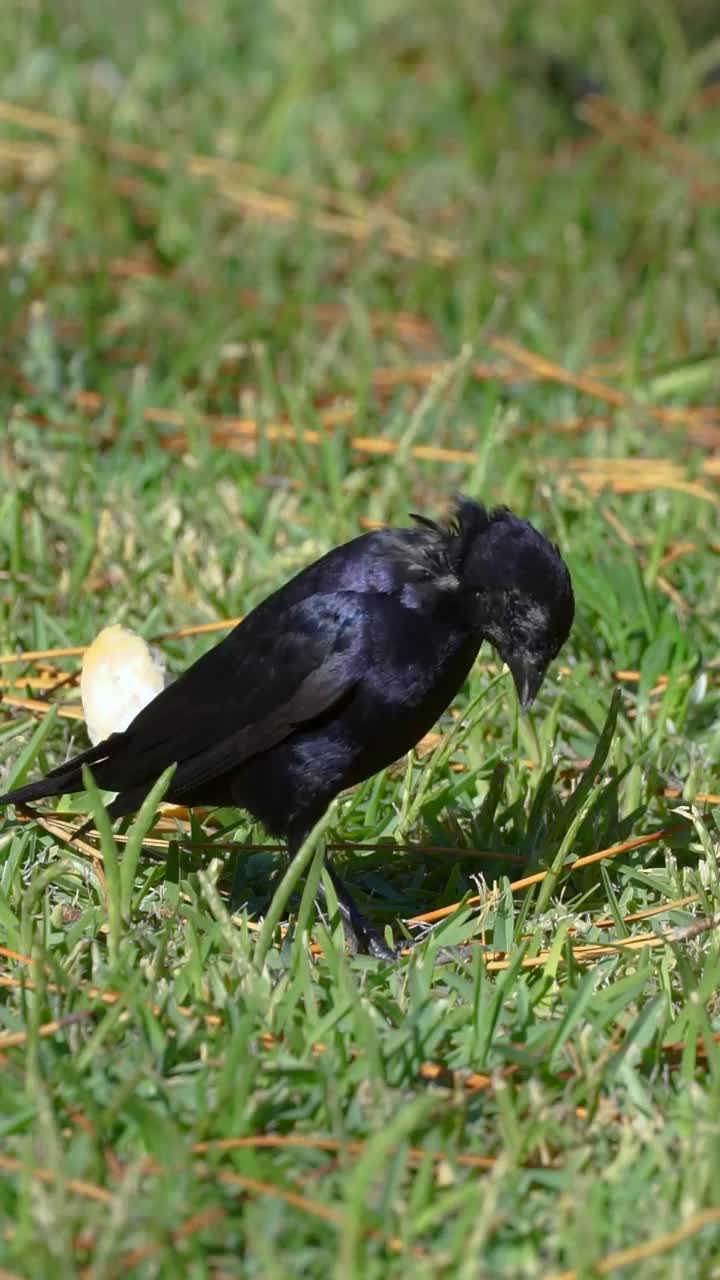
337	674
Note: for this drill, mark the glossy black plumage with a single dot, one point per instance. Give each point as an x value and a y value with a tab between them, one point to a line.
340	672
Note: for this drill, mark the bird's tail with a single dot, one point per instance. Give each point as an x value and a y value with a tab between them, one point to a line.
66	777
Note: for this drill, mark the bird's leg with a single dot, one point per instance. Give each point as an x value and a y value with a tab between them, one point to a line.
359	933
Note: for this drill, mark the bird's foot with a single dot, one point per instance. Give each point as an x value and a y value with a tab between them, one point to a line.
444	955
361	937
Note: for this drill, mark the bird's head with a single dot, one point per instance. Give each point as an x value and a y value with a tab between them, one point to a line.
515	590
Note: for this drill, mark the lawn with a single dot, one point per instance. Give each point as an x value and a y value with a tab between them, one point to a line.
272	275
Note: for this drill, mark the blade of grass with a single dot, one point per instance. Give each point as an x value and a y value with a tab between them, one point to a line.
297	869
135	836
111	864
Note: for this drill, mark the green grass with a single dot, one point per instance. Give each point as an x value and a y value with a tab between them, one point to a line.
590	1088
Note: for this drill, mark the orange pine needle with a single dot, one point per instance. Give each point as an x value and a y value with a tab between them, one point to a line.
429	917
649	1249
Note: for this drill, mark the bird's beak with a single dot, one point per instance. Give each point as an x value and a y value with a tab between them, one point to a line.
527	678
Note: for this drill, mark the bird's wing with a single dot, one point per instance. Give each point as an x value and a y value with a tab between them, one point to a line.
279	669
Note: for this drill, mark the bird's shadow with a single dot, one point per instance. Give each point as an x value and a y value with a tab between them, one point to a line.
501	839
455	849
